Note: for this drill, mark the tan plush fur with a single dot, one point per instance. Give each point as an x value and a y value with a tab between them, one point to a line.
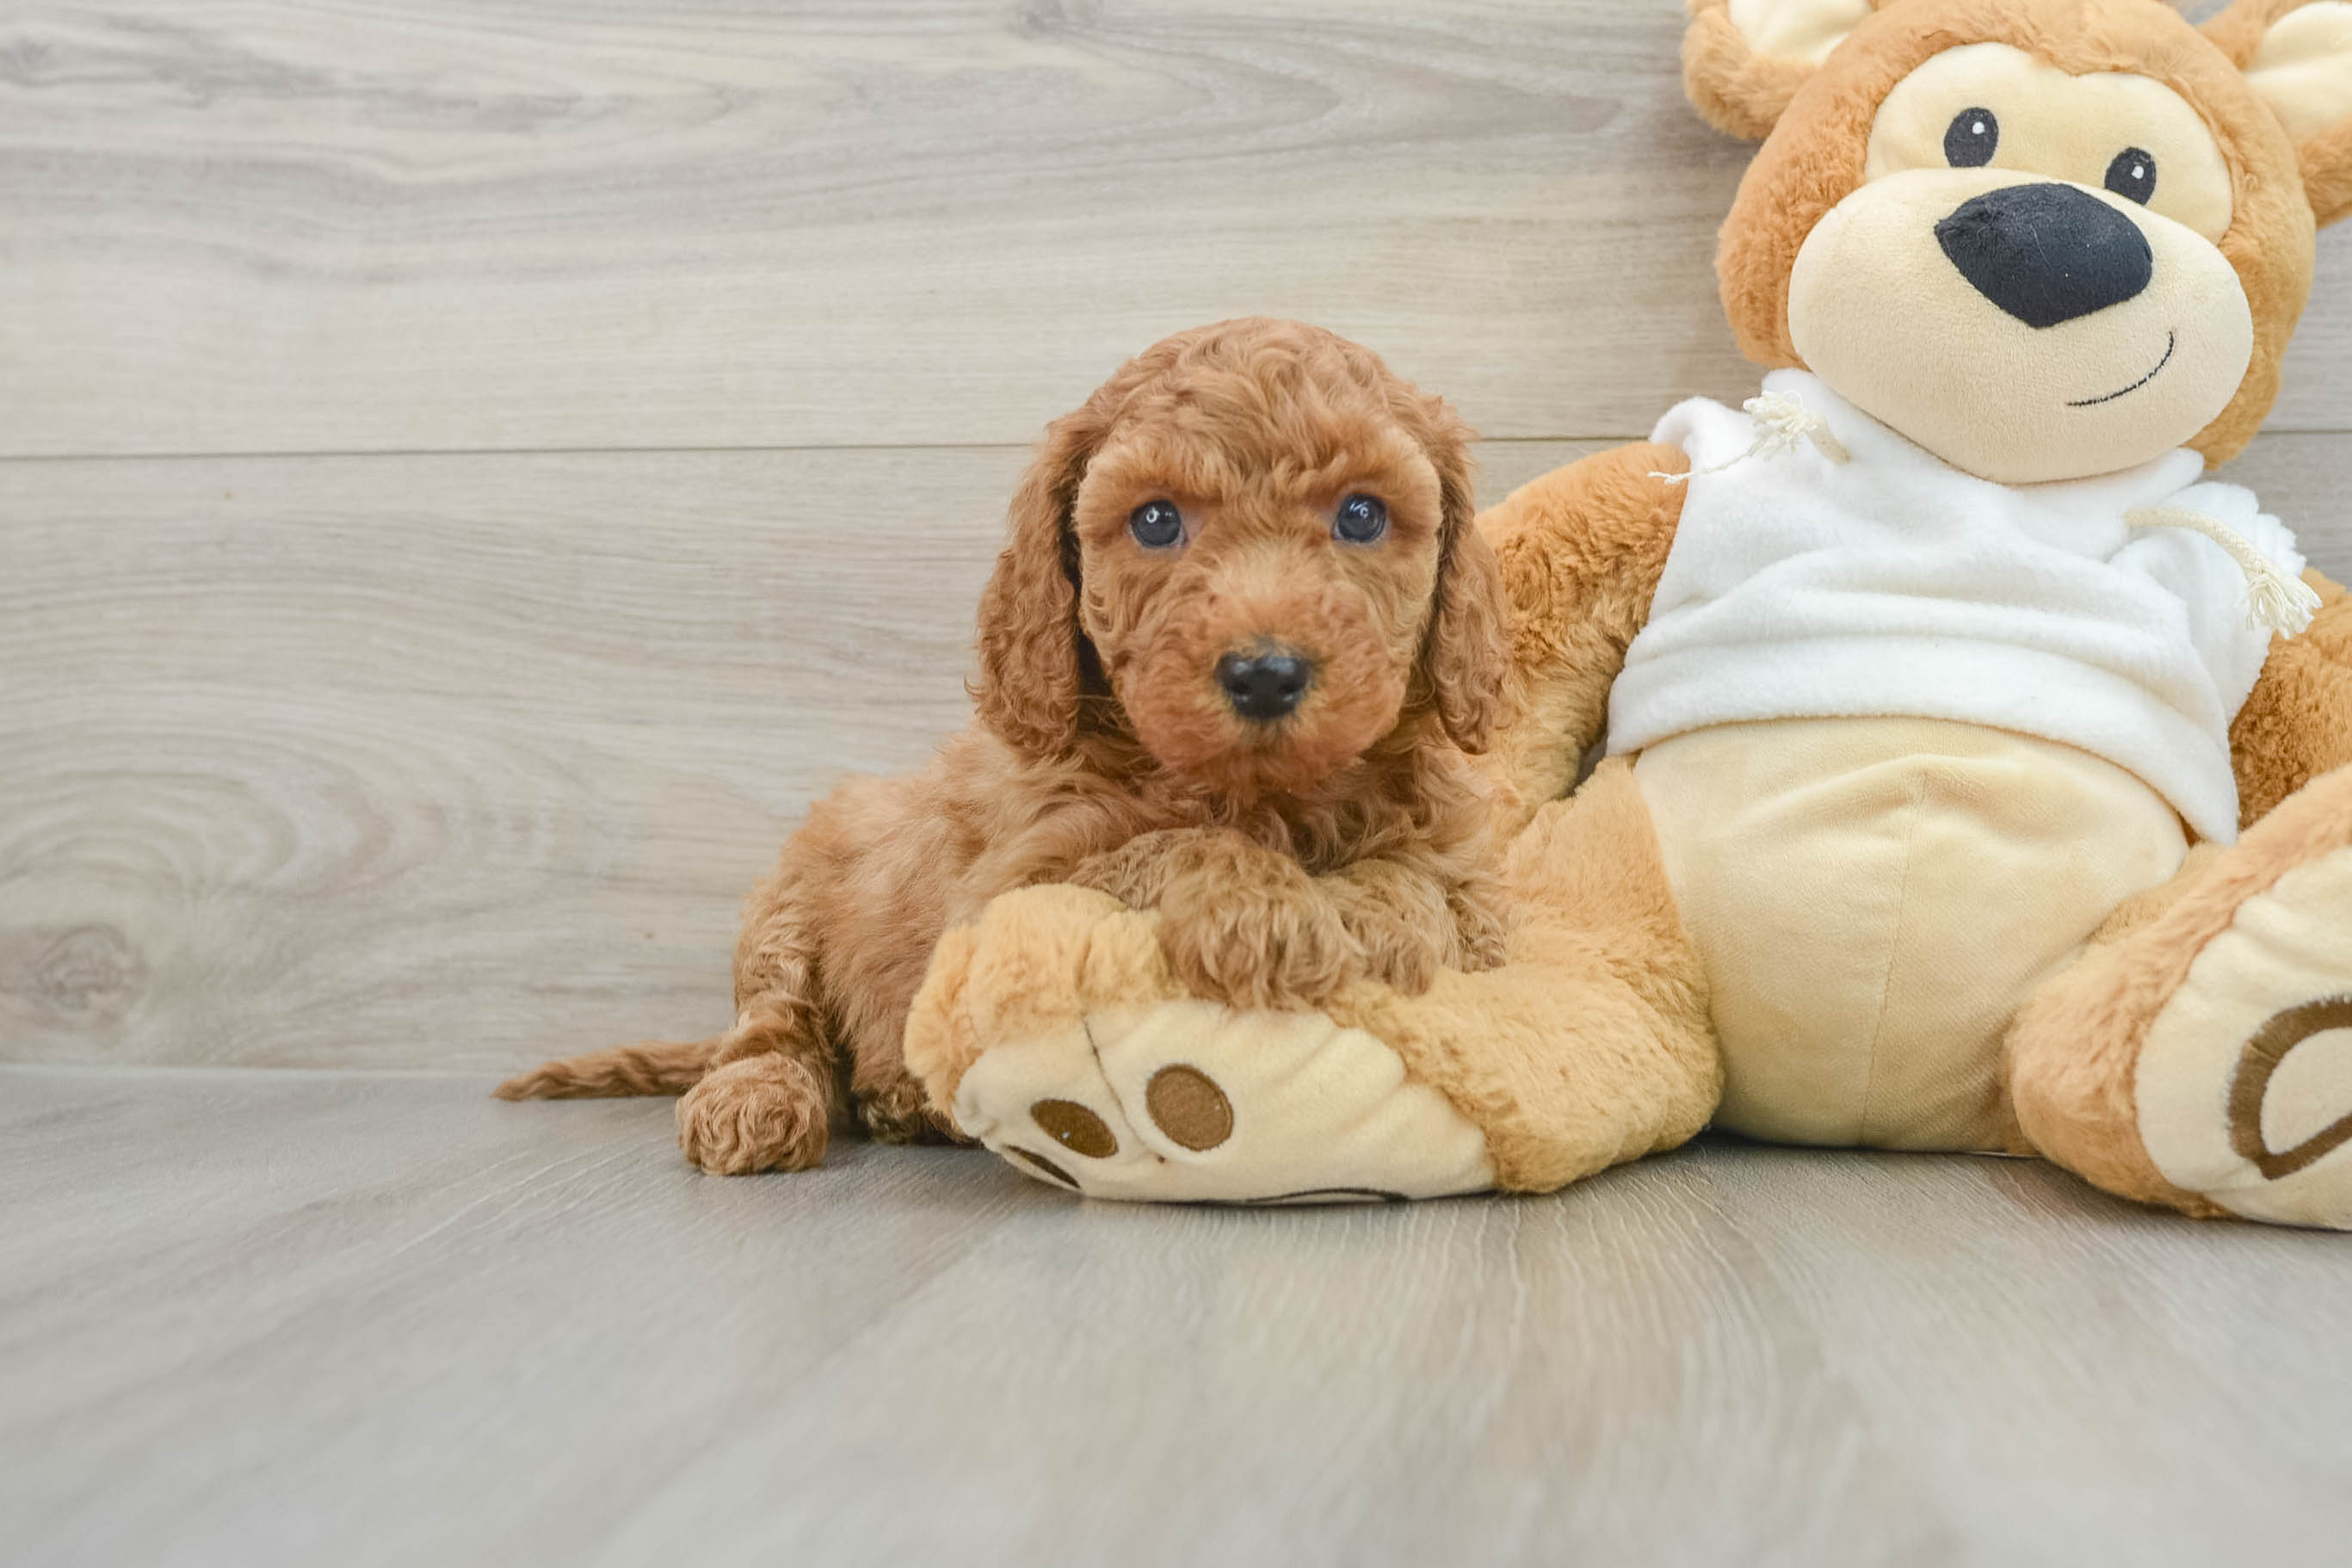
2327	161
1348	839
2074	1045
1735	89
981	990
1595	940
2298	723
2325	156
2237	30
1581	549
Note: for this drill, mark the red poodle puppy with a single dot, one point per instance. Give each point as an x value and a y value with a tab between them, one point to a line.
1241	637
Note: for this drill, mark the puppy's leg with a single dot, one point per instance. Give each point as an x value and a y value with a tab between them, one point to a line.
1480	923
768	1101
1137	872
753	1099
1406	921
770	1109
1240	923
889	1099
1411	923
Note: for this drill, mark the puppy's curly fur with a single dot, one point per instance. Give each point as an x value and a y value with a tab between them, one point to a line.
1287	858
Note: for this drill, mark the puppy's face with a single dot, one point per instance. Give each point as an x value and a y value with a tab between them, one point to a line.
1252	550
1258	558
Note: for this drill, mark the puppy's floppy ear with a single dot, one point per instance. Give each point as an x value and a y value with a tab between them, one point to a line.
1030	645
1465	654
1744	59
2297	56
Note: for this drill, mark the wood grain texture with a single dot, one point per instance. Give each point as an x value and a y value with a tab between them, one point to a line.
524	224
355	760
465	761
278	1317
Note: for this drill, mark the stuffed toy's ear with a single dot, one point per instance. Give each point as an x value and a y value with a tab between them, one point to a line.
2297	55
1030	645
1744	59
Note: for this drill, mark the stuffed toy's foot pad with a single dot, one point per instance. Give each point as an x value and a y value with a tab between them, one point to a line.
2244	1084
1081	1069
1186	1101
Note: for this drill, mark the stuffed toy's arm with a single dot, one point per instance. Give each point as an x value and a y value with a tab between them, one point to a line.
2297	725
1581	549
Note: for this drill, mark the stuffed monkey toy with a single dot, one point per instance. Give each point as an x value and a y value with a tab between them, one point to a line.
1977	770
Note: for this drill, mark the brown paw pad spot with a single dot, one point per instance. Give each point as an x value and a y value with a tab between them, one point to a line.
1075	1128
1189	1107
1044	1167
2263	1057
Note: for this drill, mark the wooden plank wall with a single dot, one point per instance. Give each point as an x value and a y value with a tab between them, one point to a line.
471	470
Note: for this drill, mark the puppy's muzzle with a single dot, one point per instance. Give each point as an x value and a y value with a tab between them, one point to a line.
1265	685
2047	253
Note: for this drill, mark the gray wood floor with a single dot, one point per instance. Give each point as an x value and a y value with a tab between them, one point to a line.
294	1317
472	470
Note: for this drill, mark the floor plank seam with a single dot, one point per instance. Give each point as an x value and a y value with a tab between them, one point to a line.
746	449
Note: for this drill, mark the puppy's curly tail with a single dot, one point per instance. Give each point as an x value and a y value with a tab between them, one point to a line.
657	1067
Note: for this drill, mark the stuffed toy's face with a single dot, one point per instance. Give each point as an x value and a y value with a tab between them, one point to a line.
2066	230
2043	238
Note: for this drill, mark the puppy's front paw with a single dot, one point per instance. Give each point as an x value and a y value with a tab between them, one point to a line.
896	1112
1267	941
1401	955
762	1113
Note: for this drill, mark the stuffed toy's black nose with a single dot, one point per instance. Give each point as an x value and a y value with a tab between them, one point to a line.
1262	687
2047	253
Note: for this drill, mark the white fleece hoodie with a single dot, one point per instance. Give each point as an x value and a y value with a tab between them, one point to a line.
1893	584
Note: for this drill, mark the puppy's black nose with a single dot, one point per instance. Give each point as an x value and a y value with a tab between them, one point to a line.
2047	253
1262	687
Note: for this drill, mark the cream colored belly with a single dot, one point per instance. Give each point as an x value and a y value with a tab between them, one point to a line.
1874	897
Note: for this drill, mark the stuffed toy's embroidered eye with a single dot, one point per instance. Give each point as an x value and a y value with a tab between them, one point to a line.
1970	141
1157	525
1361	520
2133	175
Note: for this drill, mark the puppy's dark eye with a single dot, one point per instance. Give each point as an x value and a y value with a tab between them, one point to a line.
1156	524
1361	520
1971	139
2132	175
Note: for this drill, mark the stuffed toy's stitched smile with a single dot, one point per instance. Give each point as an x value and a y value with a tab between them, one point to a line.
2171	341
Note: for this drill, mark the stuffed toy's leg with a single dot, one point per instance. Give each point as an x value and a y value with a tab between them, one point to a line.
1053	1032
2200	1053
